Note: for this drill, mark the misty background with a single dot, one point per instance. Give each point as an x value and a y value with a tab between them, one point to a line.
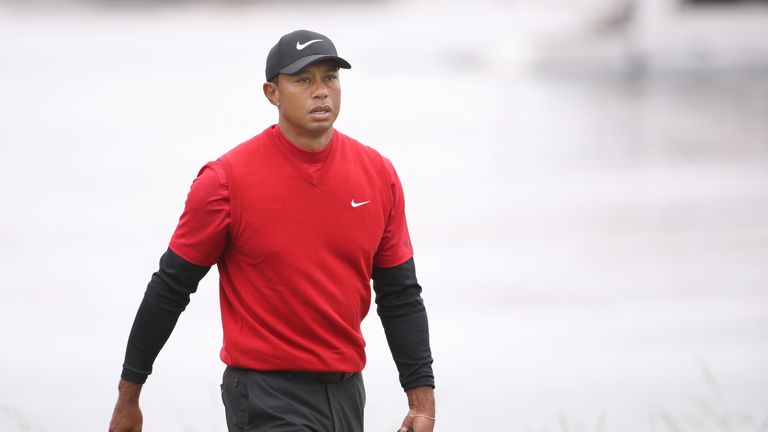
586	185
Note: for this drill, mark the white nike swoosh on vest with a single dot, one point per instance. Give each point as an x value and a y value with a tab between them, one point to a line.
300	46
354	204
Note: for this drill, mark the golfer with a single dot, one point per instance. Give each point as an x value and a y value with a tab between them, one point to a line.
299	219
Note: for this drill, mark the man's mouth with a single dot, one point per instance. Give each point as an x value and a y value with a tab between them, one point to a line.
321	109
320	112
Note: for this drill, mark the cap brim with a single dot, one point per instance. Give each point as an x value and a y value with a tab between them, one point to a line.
306	61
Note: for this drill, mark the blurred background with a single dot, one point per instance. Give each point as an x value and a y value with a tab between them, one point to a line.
586	185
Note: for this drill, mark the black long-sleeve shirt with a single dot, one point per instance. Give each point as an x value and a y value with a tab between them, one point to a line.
398	299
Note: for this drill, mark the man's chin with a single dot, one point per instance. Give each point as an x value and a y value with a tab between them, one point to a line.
320	125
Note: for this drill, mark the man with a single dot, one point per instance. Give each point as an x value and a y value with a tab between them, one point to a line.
299	219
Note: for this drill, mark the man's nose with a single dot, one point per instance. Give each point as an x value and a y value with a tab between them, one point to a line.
319	89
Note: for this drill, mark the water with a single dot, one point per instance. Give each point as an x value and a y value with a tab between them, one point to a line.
592	249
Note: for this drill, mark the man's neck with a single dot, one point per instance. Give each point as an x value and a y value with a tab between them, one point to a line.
310	142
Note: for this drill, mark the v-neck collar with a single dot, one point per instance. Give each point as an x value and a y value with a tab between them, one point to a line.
296	156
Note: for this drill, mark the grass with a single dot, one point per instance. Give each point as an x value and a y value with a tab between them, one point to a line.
708	412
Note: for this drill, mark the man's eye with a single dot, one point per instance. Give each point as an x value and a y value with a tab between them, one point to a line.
302	80
331	77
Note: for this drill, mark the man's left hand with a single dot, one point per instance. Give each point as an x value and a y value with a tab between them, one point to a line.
421	410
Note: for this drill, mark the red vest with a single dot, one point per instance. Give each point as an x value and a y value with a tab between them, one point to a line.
295	274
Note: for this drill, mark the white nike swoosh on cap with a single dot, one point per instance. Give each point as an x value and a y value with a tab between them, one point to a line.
356	204
300	46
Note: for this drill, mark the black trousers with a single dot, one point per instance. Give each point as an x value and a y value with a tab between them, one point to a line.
256	401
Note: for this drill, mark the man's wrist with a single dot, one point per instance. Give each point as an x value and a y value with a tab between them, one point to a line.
422	399
128	392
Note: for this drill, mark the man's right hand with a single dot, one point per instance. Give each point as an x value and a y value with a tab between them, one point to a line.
127	415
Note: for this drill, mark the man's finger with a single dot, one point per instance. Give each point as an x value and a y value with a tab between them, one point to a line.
407	425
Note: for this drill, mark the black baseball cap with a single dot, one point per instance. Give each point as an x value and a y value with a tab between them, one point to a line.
298	49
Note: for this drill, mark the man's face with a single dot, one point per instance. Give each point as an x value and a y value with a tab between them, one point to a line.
309	100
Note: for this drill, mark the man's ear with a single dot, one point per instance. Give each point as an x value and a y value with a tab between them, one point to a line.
272	93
